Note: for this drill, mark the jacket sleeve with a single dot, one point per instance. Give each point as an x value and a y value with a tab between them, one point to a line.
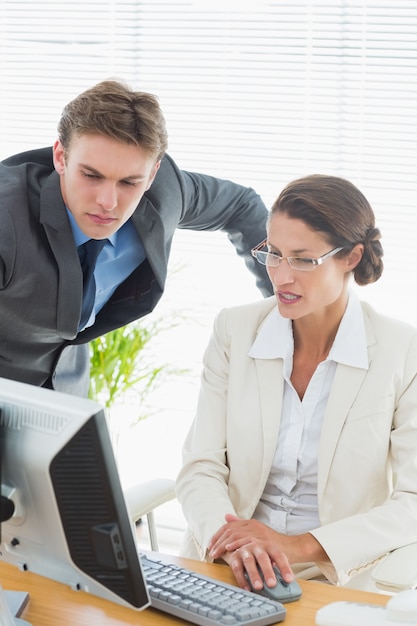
205	469
226	457
356	542
216	204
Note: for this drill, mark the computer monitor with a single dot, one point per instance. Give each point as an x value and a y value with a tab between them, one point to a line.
64	515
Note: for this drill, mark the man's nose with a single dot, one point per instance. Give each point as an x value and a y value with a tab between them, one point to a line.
107	197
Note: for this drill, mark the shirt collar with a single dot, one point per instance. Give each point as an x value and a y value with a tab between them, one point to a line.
79	236
349	347
274	337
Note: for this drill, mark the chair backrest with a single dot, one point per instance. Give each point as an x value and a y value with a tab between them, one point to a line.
143	498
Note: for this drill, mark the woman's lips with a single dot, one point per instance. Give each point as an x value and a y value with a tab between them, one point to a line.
286	297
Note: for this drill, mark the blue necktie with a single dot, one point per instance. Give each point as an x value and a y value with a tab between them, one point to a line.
88	253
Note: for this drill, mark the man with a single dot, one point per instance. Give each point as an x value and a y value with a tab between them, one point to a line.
106	178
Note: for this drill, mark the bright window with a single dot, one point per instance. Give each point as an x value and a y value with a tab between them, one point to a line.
258	91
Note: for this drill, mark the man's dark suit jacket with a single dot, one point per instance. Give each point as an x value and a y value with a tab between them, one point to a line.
40	273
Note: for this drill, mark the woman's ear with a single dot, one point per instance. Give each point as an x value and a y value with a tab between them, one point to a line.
354	256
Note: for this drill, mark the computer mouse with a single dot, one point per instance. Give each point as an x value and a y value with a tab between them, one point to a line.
282	592
403	607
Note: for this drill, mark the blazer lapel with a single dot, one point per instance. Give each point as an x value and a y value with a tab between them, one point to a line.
347	383
53	216
148	224
271	388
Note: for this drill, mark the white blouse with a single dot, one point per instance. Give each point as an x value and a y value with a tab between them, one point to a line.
289	501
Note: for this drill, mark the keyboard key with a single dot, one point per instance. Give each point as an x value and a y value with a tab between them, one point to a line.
204	601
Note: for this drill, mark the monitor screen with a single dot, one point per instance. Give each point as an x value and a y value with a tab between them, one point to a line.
63	511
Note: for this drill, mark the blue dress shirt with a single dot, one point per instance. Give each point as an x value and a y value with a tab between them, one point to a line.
122	253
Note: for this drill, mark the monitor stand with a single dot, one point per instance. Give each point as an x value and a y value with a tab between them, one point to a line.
12	604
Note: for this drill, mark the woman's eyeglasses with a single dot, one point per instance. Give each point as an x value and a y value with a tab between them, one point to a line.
303	264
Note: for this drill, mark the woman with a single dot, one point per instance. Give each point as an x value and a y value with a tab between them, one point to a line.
303	449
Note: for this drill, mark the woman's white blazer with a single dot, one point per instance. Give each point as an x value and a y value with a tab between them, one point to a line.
367	459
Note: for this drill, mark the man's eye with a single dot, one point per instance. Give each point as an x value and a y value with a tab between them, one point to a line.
129	183
89	175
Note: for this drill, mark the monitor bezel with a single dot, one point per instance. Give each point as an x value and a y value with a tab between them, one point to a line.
38	426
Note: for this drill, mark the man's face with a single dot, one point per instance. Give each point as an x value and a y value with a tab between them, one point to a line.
103	181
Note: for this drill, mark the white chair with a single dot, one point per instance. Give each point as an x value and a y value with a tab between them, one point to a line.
142	499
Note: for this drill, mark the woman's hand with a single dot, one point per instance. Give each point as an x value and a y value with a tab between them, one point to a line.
247	544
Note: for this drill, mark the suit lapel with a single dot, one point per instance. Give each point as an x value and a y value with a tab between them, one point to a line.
347	383
271	388
150	229
54	218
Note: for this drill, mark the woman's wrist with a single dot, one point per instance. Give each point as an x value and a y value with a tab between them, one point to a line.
310	550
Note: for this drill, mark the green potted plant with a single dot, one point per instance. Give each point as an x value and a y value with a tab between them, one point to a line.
124	369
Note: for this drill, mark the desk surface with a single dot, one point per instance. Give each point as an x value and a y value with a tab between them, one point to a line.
52	603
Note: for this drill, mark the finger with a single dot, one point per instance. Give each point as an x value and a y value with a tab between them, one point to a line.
236	542
218	547
266	557
244	569
228	545
217	537
228	535
229	517
284	566
265	567
253	572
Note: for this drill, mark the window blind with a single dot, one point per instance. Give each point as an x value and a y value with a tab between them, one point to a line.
50	52
260	91
261	94
277	90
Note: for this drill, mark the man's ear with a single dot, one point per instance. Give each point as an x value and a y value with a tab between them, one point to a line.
58	153
152	176
354	256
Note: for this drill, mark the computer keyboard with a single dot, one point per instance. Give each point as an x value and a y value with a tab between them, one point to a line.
205	601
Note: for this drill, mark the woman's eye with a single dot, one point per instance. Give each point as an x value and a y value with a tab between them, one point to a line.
302	262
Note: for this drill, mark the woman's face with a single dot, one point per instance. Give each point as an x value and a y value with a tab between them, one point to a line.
301	293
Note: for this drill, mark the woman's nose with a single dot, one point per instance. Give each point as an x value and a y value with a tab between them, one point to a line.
281	274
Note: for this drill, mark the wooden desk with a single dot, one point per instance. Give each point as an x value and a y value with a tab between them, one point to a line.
52	603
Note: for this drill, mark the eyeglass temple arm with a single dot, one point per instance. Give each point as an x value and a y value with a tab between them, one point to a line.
258	247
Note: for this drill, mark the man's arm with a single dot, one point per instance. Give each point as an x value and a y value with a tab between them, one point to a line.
216	204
